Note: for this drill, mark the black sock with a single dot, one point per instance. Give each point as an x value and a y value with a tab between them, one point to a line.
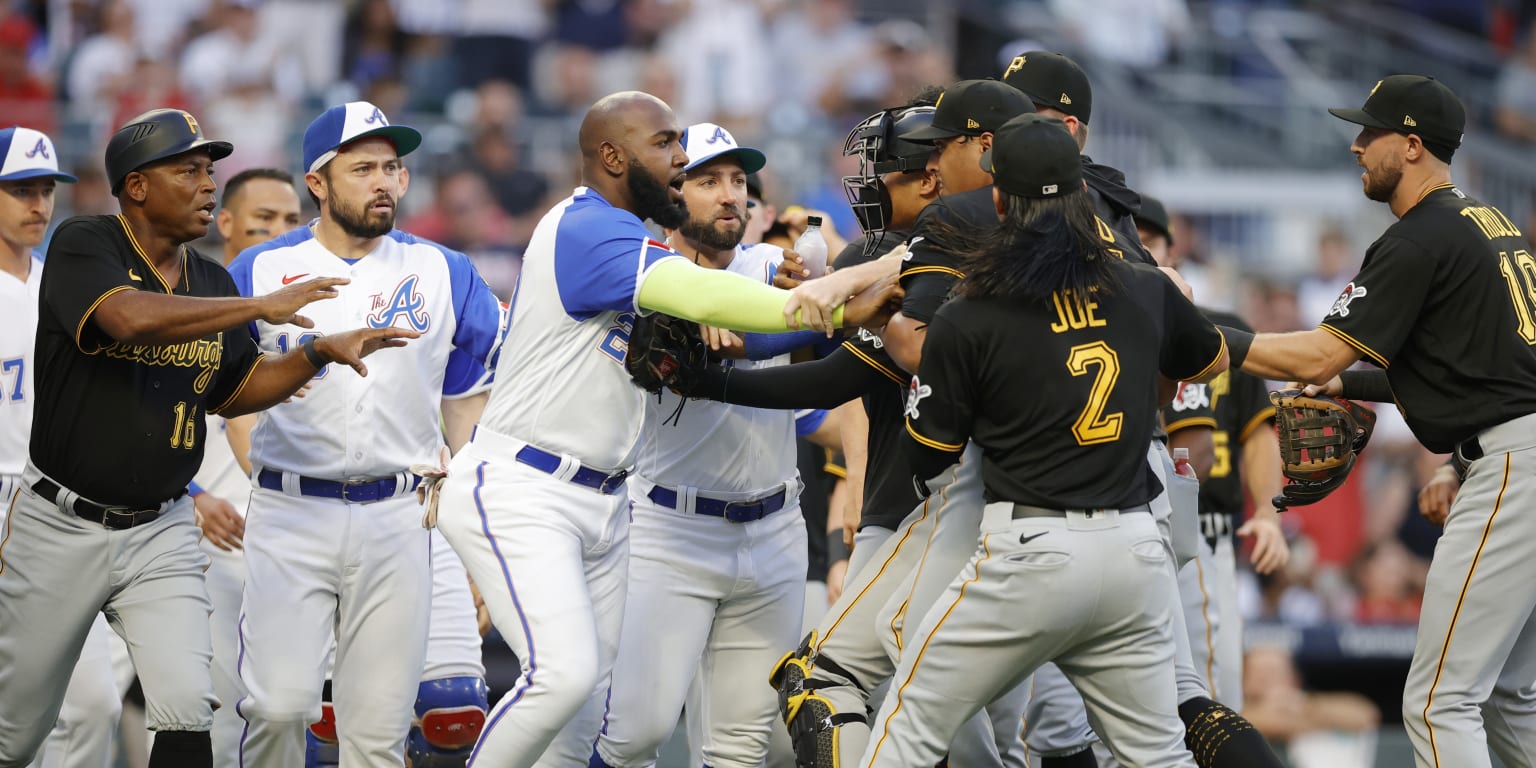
1221	738
1083	759
182	749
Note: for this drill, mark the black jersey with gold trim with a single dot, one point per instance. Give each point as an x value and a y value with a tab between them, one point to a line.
1446	302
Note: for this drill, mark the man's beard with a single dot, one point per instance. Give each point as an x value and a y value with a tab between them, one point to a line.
653	199
1382	182
705	233
361	222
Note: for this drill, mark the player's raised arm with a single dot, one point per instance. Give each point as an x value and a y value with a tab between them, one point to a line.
142	317
725	300
273	379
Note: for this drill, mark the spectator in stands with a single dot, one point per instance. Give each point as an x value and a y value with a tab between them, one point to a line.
1388	584
1136	33
24	98
309	34
1515	113
519	192
465	217
722	78
373	44
812	41
91	196
498	40
231	50
151	84
903	58
1320	730
1336	263
1284	596
250	114
1272	305
103	65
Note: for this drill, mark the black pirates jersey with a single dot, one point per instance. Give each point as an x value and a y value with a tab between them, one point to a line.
123	424
1445	301
1060	393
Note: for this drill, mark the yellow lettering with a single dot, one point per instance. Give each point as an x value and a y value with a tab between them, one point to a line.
1492	222
1105	233
1073	313
1061	325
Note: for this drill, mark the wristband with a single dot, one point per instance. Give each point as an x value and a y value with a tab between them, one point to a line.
1238	343
194	490
311	355
837	549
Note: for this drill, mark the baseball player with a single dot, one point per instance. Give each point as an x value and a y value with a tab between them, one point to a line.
718	548
1244	454
1444	302
1069	562
132	349
29	173
535	505
335	546
258	204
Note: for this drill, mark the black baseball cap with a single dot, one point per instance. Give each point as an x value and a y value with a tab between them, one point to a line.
1052	80
1413	104
971	108
1034	156
1154	216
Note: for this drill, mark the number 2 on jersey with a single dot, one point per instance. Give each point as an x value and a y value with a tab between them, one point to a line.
1093	425
1520	272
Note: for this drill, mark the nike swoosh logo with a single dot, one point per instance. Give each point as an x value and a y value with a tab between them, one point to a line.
1028	539
133	277
290	278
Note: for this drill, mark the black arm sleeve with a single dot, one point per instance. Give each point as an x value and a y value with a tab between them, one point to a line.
1368	384
825	383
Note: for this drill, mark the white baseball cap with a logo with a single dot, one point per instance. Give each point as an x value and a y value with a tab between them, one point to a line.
28	154
703	142
345	123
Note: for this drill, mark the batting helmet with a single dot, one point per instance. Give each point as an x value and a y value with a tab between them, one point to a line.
154	136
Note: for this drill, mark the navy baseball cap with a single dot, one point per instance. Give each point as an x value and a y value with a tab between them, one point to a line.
1034	156
28	154
343	124
703	142
1412	104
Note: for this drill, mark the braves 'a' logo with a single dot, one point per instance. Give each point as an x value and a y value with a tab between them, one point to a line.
1341	305
915	394
406	301
41	148
1191	397
718	136
376	118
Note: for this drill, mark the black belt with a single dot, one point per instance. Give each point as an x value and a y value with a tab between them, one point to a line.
733	511
1466	452
596	479
1024	511
110	517
361	492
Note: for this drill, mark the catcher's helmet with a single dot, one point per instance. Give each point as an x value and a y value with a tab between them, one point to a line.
154	136
876	142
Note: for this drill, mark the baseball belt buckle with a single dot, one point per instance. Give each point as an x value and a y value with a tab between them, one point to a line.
743	511
366	492
613	483
121	518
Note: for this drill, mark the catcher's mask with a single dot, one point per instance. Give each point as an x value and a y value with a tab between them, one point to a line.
879	150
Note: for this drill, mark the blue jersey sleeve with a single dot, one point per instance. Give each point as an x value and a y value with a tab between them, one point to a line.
240	270
602	255
809	421
482	322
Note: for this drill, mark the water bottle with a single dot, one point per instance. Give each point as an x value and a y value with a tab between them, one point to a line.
1181	463
812	247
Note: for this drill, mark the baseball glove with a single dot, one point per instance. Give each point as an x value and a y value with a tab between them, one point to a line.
1320	437
666	352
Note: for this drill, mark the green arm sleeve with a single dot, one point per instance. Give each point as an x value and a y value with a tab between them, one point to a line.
717	298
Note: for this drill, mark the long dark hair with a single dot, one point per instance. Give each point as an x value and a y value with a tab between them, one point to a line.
1041	245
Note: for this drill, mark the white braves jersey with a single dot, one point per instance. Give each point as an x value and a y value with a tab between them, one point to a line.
350	426
220	474
714	446
561	383
18	335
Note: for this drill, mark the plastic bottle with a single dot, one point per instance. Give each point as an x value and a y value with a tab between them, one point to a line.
1181	463
812	247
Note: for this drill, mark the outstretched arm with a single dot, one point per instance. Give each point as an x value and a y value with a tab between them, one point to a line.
726	300
274	378
1310	357
148	317
825	383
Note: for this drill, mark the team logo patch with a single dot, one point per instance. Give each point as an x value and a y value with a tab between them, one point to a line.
1341	306
40	149
720	135
1191	397
915	394
406	301
1014	66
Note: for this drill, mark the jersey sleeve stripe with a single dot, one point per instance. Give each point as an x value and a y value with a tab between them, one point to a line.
1264	415
1196	421
243	381
1356	343
873	363
1207	369
80	329
933	268
931	443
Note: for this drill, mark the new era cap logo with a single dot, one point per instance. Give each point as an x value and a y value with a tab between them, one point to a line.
40	149
1409	121
1049	189
1065	99
972	124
